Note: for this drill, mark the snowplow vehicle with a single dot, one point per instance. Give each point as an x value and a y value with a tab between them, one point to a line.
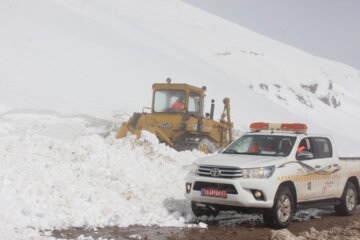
177	119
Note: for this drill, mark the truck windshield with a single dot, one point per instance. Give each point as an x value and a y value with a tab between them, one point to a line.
263	145
169	101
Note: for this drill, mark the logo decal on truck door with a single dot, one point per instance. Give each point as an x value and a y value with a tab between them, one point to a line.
330	169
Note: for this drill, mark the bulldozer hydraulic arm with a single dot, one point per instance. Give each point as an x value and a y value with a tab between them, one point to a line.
228	118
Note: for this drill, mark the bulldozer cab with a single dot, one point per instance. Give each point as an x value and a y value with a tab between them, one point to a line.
175	98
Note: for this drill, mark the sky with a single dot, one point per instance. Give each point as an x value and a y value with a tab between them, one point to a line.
325	28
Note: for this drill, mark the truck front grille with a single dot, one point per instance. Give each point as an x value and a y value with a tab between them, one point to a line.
219	171
229	188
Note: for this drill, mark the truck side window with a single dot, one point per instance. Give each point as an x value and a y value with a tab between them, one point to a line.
323	147
305	145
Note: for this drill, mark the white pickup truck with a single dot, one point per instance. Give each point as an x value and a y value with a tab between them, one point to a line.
274	169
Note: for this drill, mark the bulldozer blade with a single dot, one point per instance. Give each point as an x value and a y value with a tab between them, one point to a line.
138	133
123	131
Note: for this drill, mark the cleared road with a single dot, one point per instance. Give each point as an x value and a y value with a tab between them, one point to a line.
229	229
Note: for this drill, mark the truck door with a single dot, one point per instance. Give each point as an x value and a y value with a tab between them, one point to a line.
319	168
329	166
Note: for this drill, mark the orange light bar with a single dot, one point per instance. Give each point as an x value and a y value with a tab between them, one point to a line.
286	127
258	126
296	127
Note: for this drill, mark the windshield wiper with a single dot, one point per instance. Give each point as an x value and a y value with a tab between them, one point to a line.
231	151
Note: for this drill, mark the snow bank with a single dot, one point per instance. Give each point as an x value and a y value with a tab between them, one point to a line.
284	234
349	232
58	171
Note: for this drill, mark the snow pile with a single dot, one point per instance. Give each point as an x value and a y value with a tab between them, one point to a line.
283	234
57	172
350	232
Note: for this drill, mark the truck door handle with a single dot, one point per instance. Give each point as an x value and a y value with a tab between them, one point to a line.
317	166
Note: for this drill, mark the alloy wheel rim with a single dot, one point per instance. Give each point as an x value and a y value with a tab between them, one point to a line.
284	208
350	199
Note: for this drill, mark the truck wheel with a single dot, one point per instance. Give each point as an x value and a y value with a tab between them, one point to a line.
348	201
203	211
280	215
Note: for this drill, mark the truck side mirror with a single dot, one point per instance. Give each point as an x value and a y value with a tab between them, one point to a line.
304	155
207	115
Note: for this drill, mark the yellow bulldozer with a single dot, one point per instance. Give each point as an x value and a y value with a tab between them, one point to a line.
177	119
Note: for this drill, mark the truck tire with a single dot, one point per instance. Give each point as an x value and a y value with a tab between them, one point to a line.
348	201
203	211
280	215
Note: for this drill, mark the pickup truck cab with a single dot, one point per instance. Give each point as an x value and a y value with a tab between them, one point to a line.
274	169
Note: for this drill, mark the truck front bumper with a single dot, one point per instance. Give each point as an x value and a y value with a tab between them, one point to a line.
243	197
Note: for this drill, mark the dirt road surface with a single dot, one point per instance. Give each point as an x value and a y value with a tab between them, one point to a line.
333	227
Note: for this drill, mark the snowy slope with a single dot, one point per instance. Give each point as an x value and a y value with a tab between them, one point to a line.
95	57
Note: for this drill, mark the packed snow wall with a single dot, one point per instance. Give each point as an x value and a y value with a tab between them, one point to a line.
60	171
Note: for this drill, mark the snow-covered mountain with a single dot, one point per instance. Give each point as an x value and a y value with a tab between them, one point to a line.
59	168
97	56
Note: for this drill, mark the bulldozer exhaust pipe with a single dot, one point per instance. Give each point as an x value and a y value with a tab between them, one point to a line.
212	109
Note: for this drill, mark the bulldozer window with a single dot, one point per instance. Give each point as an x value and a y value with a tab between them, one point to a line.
194	103
165	99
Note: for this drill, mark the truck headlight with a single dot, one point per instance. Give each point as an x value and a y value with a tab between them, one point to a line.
264	172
